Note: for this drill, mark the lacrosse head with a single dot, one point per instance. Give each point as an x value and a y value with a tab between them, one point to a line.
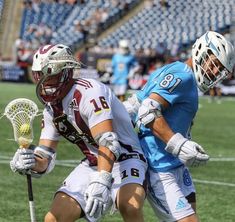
21	113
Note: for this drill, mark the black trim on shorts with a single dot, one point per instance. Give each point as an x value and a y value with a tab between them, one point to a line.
126	156
191	197
129	148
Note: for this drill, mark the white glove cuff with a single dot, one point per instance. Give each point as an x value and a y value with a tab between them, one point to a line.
102	177
175	143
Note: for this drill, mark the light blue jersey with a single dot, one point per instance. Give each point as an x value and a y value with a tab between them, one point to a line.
121	65
176	83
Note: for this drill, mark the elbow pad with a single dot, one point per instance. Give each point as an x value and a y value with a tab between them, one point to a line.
109	140
148	111
48	153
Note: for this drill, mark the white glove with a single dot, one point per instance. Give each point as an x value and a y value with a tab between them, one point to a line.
98	194
188	152
23	161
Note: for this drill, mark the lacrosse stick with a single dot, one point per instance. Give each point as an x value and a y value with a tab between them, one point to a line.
21	113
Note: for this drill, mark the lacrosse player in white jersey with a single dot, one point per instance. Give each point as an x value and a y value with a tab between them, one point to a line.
88	114
166	107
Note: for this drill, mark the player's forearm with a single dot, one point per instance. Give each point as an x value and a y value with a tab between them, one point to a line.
41	164
105	159
161	129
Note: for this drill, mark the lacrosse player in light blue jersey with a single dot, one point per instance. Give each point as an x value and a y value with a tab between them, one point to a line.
124	66
165	109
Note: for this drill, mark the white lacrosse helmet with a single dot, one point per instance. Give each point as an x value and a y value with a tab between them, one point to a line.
212	43
53	71
124	46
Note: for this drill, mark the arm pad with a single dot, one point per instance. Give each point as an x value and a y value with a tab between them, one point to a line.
148	111
45	152
109	140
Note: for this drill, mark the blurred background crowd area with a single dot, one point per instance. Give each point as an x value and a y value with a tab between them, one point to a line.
158	32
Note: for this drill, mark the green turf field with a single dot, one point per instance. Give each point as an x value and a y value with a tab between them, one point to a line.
215	183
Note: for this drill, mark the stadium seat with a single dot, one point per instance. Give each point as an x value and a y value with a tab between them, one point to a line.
60	18
180	23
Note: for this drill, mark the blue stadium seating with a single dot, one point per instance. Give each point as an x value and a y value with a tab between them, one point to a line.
62	18
1	7
180	22
50	14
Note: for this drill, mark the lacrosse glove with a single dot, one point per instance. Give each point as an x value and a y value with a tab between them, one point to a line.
23	161
188	152
98	194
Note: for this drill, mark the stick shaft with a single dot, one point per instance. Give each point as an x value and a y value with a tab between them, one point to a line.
31	201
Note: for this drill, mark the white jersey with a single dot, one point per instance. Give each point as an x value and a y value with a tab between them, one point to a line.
88	103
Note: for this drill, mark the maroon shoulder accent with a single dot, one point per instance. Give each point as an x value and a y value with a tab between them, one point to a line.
80	122
77	96
85	129
85	83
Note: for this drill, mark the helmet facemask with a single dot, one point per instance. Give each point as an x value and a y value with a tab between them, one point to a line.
211	71
53	88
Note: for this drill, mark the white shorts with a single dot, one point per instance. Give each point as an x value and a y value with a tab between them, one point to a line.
124	172
119	90
167	192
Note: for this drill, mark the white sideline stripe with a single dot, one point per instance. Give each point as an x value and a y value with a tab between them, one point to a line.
4	158
7	161
68	161
213	159
58	163
4	161
214	183
222	159
66	164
